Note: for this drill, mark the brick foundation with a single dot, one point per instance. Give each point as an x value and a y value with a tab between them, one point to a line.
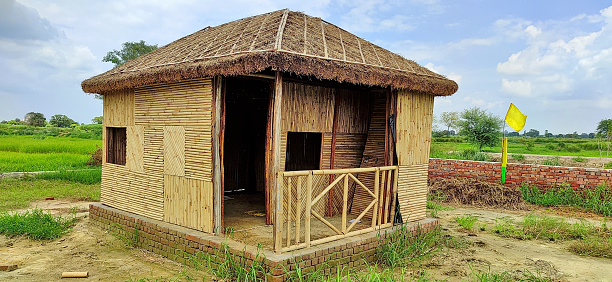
179	244
516	174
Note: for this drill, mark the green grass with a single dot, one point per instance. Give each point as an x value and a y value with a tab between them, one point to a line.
30	144
16	193
598	200
28	162
519	145
466	222
89	176
26	153
545	228
35	224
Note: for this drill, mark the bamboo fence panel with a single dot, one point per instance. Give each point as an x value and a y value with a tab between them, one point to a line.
414	118
174	150
304	191
188	202
119	108
349	151
412	191
137	192
135	150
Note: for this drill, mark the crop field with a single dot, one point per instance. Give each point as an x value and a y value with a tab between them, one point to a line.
32	153
521	145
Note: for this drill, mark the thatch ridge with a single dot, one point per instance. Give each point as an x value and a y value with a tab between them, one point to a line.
281	40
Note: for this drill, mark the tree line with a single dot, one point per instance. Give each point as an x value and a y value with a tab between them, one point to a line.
485	129
39	120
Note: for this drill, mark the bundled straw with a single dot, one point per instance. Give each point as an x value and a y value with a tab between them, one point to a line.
467	191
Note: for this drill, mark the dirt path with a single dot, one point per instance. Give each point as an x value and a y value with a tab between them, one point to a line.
85	248
88	248
551	259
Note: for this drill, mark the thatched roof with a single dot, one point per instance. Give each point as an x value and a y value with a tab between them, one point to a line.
282	40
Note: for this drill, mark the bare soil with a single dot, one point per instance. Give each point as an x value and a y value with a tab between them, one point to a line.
106	257
84	248
490	253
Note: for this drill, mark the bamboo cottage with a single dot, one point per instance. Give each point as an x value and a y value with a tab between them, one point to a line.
324	133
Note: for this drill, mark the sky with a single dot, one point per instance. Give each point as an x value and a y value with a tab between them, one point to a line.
552	59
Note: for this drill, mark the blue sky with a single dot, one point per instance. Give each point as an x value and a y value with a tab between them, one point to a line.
550	58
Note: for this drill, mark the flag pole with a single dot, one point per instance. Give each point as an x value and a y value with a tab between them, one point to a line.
504	154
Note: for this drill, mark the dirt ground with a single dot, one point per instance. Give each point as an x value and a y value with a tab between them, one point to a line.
84	248
551	260
88	248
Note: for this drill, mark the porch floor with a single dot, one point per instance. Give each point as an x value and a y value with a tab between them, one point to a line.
245	222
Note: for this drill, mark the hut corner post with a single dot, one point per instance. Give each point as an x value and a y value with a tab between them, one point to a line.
217	161
275	179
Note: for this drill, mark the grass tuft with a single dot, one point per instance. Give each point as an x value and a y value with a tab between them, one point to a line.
598	200
35	224
466	222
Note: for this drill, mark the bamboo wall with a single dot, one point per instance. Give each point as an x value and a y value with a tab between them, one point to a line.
414	118
312	108
168	171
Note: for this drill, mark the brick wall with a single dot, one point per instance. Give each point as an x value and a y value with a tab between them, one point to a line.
180	244
516	174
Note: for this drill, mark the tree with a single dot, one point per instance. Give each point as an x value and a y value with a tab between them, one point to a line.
480	127
130	50
35	119
449	119
97	120
61	121
533	133
604	129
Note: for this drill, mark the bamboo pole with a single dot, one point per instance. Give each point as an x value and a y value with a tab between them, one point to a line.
345	202
308	207
289	200
275	160
387	196
319	217
218	192
298	213
375	212
394	195
278	225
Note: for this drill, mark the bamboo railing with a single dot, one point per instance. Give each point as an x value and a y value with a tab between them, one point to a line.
299	198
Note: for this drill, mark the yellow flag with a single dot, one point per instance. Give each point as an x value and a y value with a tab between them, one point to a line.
515	118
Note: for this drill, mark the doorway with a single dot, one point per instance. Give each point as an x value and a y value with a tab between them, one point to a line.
246	110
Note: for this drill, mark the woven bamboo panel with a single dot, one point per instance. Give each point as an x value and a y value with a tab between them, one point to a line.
353	111
174	150
414	118
136	192
187	104
326	151
307	108
119	108
412	191
373	153
188	202
135	148
349	150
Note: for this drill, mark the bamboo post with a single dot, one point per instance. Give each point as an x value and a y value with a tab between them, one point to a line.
278	225
394	194
289	200
308	207
344	203
275	160
298	213
376	183
217	169
387	196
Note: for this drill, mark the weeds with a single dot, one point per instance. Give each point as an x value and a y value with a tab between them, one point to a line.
545	228
593	247
35	224
598	200
552	161
518	157
579	159
466	222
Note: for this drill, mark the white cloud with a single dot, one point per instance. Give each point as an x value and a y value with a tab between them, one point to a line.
519	87
533	31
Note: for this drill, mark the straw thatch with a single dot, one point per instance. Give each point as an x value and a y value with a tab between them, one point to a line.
282	40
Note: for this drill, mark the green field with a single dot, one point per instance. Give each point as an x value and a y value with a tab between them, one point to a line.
32	153
520	145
